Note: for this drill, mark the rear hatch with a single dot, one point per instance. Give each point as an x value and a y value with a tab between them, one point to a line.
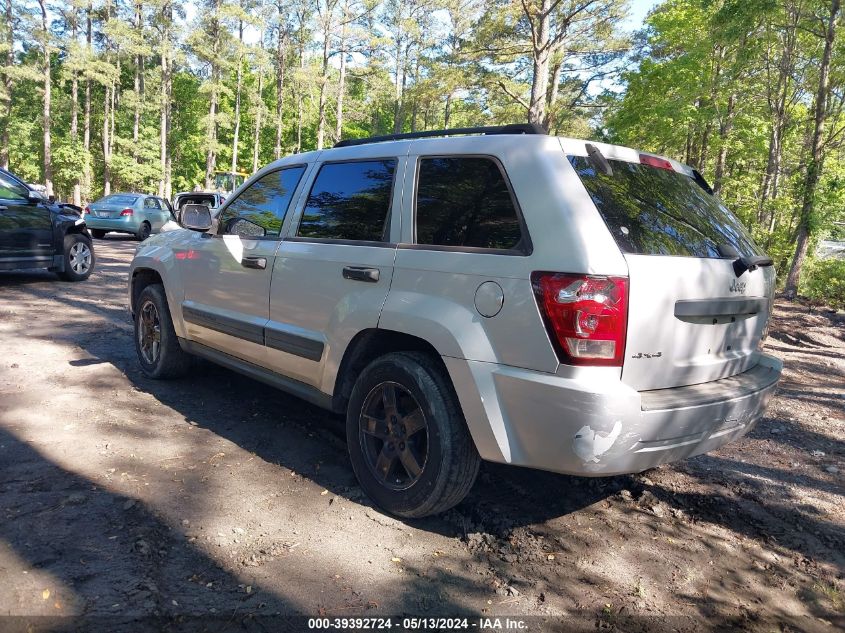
112	206
693	314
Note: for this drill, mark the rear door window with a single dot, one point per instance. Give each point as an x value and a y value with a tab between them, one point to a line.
652	211
350	201
465	201
260	209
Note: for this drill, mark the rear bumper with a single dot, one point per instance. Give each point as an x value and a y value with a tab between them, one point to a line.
125	224
602	427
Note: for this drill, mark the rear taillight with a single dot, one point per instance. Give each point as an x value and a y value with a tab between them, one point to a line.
126	212
87	210
654	161
586	316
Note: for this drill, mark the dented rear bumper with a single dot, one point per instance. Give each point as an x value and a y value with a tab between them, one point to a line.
600	427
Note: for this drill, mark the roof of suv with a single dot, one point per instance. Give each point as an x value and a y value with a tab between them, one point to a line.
470	140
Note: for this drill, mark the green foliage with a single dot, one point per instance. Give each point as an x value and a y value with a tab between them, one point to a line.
712	83
825	282
719	84
70	161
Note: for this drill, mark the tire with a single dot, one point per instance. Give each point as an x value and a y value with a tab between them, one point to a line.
98	233
79	257
144	231
432	480
152	317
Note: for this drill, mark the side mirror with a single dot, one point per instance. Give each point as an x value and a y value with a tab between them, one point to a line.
196	217
36	196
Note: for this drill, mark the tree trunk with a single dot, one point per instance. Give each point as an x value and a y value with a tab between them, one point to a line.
725	127
86	133
280	84
771	177
48	155
139	84
115	104
106	145
553	92
341	84
415	108
398	83
74	134
237	130
540	65
816	159
324	85
299	105
211	128
108	103
259	110
9	85
164	186
74	108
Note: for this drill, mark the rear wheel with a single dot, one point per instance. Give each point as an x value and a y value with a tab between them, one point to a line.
98	233
408	442
159	352
144	231
79	257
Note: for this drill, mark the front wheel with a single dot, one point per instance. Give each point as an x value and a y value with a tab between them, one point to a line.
79	257
159	352
407	439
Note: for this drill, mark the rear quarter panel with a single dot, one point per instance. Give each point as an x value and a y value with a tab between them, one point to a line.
433	291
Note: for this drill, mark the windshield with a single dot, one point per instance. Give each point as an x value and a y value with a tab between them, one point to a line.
118	199
652	211
228	181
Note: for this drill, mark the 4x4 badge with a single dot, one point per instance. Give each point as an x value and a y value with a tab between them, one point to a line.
641	355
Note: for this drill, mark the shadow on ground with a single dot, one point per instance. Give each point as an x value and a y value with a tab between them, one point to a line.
106	552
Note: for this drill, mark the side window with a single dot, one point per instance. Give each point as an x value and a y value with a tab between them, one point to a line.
10	189
465	201
260	209
349	201
151	203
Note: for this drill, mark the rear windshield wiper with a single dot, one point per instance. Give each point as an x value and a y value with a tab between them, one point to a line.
751	263
744	262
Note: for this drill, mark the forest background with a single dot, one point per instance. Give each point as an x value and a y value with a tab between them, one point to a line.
99	96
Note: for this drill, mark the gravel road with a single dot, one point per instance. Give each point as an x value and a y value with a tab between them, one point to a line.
216	496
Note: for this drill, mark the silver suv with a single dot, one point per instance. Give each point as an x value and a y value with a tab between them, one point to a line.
501	294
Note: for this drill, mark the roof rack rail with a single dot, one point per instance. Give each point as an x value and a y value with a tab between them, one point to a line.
514	128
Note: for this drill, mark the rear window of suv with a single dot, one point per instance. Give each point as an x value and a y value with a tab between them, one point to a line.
652	211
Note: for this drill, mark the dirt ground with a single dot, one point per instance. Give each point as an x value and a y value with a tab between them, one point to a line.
124	498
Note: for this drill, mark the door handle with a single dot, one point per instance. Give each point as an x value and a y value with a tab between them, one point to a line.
254	262
3	207
358	273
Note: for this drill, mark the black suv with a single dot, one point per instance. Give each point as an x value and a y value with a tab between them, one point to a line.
37	233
